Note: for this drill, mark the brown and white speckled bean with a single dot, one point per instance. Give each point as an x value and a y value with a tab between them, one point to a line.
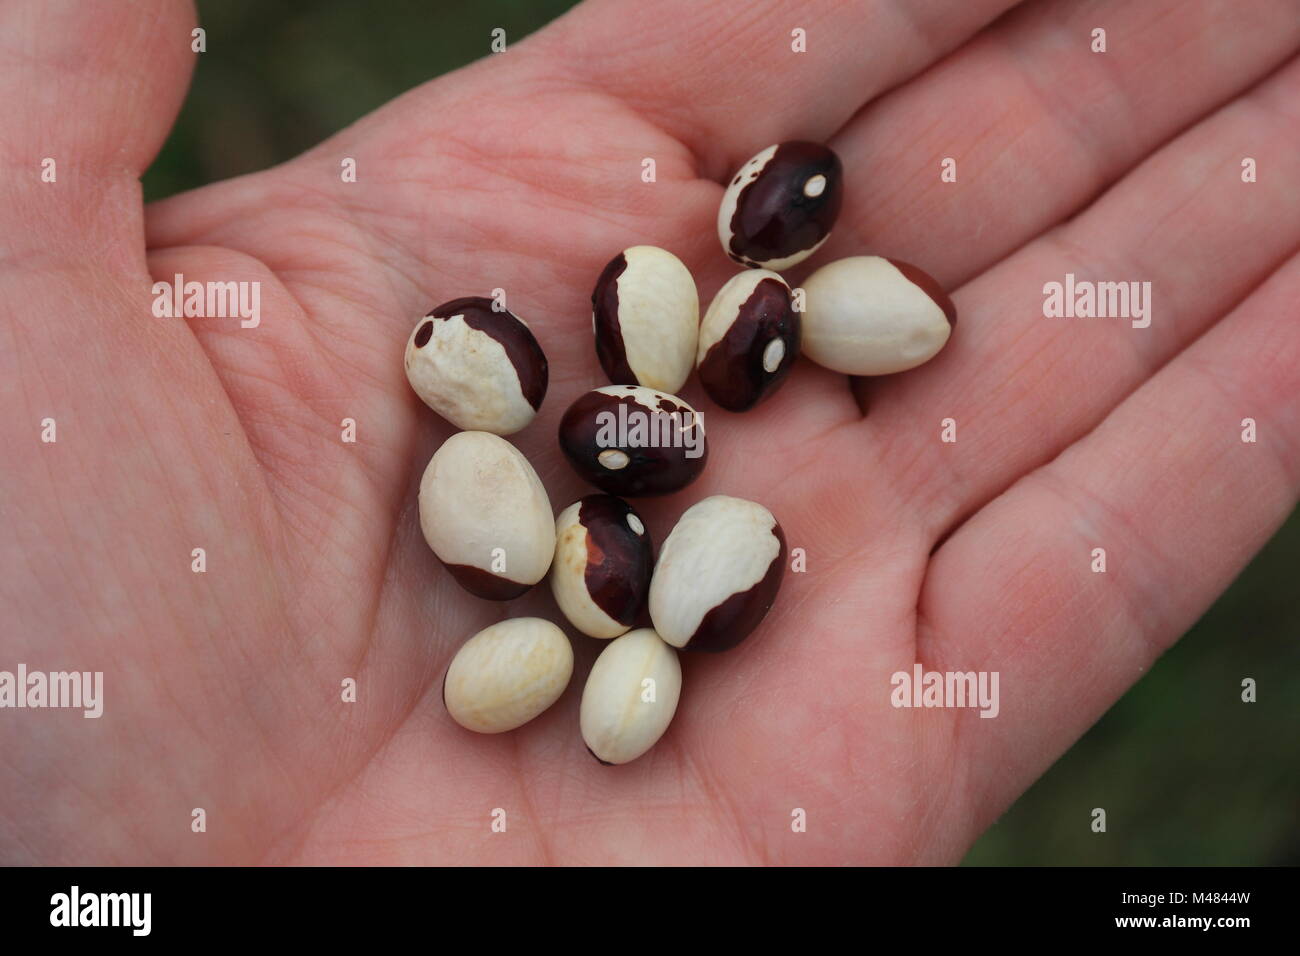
781	205
507	674
646	317
749	340
479	369
603	559
633	441
717	575
630	696
868	315
482	506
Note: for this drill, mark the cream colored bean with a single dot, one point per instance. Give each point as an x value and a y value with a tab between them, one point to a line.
630	696
478	367
646	315
867	315
507	674
486	515
717	575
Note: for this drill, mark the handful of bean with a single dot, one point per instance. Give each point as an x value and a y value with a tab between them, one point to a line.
483	509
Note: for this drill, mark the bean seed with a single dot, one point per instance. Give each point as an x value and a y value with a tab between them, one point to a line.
507	674
781	205
646	316
630	696
717	575
486	516
601	572
481	370
749	340
632	441
867	315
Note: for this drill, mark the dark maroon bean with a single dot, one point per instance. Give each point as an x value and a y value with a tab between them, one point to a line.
601	572
781	205
749	340
633	441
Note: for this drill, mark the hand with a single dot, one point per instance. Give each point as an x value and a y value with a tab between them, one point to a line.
222	689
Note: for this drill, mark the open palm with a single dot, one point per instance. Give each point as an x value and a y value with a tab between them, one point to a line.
223	689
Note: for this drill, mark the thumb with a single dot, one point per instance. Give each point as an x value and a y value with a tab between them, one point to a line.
88	91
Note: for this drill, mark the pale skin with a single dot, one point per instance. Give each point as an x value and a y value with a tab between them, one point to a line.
223	689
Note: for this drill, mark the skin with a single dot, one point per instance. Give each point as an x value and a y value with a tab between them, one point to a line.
222	689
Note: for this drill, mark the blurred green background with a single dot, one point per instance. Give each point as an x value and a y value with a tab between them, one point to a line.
1187	773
